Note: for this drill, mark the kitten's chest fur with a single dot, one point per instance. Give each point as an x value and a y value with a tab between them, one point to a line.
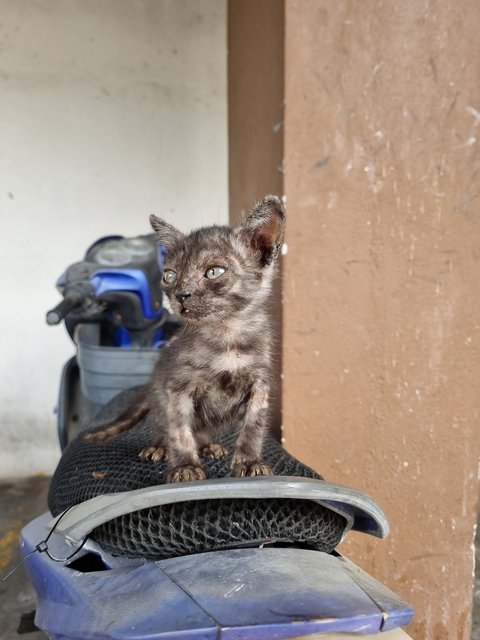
218	376
222	400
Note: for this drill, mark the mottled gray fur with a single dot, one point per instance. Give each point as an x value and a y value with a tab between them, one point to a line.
217	373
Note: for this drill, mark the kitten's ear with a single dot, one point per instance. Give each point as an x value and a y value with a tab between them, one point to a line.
165	233
263	228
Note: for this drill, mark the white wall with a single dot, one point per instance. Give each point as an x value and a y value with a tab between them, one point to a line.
109	110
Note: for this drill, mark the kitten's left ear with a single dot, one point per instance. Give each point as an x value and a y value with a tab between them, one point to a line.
264	226
165	233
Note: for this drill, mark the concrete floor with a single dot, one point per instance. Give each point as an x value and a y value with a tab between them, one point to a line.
23	499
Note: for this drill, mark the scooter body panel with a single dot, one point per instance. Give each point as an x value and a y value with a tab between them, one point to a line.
257	594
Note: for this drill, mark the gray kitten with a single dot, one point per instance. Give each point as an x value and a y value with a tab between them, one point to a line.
217	373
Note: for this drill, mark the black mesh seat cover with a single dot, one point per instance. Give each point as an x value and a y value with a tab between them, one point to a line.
87	470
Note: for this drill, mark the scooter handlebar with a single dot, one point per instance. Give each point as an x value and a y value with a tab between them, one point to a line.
72	299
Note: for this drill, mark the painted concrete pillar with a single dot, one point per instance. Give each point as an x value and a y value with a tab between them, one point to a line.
255	127
381	303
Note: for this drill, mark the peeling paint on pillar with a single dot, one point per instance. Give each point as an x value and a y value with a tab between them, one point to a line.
381	384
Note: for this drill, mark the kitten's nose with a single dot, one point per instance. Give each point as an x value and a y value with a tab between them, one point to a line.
181	297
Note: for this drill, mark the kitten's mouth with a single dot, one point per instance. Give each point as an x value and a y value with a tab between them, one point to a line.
190	314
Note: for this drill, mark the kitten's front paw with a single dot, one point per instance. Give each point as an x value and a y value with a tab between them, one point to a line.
156	454
214	450
248	469
186	473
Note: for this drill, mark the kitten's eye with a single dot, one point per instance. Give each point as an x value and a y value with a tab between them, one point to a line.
214	272
169	276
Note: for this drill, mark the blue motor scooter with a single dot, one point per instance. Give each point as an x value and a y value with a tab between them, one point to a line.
120	554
